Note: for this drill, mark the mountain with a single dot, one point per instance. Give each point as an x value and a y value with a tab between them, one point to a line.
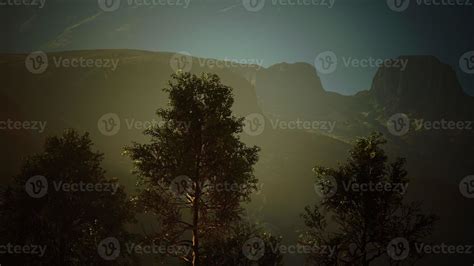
427	88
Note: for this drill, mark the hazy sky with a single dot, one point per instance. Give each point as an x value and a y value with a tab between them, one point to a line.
275	33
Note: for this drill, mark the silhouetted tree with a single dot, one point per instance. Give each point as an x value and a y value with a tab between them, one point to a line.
242	244
196	151
69	221
359	216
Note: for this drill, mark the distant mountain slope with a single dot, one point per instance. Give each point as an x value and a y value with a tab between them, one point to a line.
427	87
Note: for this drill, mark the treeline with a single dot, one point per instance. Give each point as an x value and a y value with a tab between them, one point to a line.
193	179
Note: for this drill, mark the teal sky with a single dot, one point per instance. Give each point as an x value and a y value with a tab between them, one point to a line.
225	29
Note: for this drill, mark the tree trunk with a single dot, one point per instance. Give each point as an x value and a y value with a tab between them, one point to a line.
196	206
196	226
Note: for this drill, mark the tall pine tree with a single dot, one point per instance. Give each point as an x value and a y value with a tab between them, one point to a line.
195	172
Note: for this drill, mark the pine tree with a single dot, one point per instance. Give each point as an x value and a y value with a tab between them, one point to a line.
195	172
363	212
70	220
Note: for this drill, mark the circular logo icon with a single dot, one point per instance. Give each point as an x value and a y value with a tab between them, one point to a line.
109	5
254	124
327	188
398	5
36	186
181	186
466	187
466	62
398	248
109	124
253	5
326	62
254	248
398	124
36	62
182	61
109	248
